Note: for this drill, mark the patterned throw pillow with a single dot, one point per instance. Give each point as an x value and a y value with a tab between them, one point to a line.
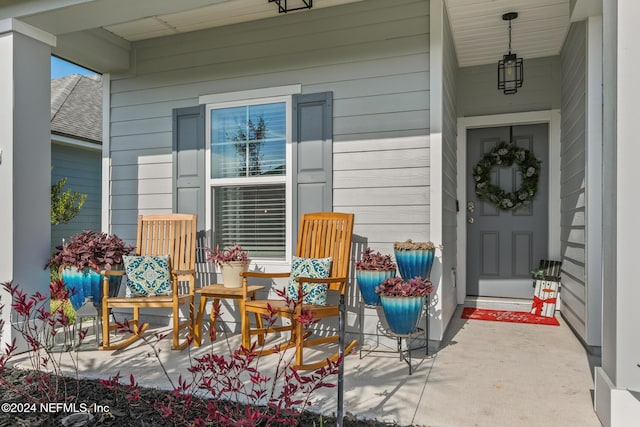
147	276
318	268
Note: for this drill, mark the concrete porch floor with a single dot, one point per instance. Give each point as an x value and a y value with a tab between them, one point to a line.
484	374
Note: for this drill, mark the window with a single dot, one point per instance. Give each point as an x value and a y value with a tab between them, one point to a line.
249	175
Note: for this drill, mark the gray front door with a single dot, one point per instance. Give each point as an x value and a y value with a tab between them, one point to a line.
504	246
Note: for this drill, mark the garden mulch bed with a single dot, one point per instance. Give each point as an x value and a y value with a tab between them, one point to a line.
122	413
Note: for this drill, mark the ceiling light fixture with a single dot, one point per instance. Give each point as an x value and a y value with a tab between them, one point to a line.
284	8
510	67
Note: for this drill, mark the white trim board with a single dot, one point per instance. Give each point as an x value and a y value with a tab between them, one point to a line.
76	143
106	153
438	324
552	117
15	25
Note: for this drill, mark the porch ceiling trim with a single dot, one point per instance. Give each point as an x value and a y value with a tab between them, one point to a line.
15	25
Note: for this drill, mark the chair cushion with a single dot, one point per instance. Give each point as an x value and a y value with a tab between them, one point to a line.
147	276
314	293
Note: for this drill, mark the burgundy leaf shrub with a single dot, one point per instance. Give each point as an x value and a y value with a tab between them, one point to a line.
397	287
375	261
228	254
91	249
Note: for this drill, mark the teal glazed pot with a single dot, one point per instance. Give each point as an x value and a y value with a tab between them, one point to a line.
402	313
87	282
368	281
415	262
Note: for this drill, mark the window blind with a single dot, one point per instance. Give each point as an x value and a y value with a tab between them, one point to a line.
253	216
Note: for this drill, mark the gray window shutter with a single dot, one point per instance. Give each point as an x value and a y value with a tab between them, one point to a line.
188	161
313	154
189	174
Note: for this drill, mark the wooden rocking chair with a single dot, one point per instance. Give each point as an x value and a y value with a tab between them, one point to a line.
321	235
158	235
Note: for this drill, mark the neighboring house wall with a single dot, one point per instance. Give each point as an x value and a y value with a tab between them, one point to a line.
449	172
478	94
76	150
82	168
372	55
573	163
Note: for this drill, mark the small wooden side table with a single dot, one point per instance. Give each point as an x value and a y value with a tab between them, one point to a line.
218	292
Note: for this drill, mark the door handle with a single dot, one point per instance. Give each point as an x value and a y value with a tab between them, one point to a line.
470	220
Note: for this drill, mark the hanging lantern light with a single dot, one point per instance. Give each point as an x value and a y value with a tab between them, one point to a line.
510	67
283	7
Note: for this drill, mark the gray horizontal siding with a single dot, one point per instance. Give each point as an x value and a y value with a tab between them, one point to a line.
478	95
372	55
82	168
572	191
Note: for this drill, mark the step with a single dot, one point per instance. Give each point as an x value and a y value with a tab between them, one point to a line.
495	303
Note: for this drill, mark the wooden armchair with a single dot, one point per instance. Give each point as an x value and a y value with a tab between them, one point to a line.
159	235
321	235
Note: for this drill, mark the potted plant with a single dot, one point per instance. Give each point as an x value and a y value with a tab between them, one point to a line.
232	261
414	259
81	260
372	270
402	302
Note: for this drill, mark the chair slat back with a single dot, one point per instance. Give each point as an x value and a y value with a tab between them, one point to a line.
327	234
168	234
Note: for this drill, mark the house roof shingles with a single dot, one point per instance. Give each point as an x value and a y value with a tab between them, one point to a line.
76	107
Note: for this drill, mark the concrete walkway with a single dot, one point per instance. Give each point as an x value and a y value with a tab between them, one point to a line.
484	374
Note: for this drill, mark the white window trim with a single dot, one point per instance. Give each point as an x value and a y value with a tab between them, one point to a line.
287	179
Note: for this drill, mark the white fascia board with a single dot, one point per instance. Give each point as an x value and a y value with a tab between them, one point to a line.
73	142
10	25
95	49
582	9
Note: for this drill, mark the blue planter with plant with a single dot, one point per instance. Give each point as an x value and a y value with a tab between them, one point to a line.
414	259
82	258
371	271
403	302
84	283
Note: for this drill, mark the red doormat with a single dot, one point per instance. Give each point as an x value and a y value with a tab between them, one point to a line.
507	316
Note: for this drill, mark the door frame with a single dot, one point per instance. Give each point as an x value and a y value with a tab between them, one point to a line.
552	118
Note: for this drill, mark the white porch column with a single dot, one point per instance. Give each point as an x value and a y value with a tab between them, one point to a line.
25	160
617	382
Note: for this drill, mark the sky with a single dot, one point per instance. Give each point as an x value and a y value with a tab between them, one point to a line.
61	68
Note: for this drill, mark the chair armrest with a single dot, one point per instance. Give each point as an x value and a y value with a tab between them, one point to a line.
322	280
335	283
112	272
259	274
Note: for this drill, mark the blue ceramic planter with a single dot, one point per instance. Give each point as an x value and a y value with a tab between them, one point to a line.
87	282
415	262
368	280
402	313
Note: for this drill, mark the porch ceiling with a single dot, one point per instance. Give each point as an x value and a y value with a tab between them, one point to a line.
146	19
216	14
481	36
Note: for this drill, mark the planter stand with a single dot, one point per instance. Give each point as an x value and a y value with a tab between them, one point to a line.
404	353
88	310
